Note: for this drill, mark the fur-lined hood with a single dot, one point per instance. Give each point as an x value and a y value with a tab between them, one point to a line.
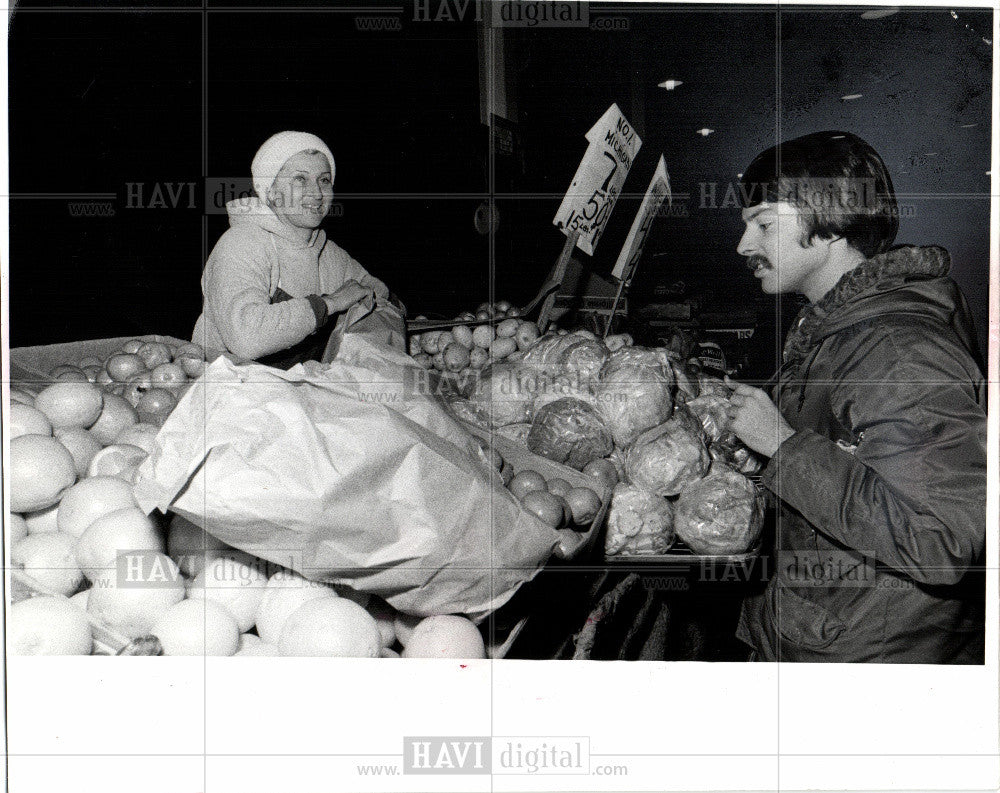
905	280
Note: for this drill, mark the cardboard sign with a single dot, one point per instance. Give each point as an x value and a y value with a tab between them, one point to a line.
658	190
598	182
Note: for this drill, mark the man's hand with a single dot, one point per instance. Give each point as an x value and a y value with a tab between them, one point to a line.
350	293
756	420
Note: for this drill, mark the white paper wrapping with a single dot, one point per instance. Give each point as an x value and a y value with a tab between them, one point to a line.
341	472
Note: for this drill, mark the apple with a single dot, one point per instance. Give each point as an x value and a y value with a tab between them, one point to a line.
153	353
132	346
193	367
123	365
168	374
136	386
92	372
526	335
89	360
190	350
156	402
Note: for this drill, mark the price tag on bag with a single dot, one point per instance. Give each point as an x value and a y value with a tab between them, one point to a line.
598	182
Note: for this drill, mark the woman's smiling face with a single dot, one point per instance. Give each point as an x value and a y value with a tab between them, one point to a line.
302	192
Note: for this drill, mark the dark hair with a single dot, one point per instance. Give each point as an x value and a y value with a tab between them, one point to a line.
837	181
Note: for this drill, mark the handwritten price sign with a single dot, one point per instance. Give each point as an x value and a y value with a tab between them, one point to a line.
656	193
598	182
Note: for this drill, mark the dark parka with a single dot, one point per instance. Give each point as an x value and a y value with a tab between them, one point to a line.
882	488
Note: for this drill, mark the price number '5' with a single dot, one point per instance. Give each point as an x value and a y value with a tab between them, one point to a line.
598	206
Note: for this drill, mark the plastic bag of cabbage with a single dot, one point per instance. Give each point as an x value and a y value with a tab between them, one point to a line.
634	392
555	367
722	513
667	458
569	431
639	523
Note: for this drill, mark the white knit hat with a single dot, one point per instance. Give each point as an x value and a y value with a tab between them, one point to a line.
270	157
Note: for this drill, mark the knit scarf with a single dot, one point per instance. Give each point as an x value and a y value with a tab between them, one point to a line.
898	263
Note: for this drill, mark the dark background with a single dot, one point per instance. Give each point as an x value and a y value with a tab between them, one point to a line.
107	98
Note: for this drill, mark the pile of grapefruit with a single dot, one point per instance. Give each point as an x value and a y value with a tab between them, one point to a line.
87	555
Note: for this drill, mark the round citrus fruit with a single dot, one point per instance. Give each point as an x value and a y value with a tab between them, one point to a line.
168	375
234	585
525	482
548	508
153	353
81	445
118	459
197	627
559	487
91	499
156	402
41	469
50	559
28	420
135	387
584	504
142	435
445	636
43	520
330	627
285	593
48	626
71	404
116	415
189	350
125	529
122	366
603	471
133	607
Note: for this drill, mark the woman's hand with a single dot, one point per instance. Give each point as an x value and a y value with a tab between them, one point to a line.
756	420
350	293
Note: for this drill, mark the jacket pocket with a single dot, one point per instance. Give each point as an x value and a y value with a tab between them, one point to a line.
804	622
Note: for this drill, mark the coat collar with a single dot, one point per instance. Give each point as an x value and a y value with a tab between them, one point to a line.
904	261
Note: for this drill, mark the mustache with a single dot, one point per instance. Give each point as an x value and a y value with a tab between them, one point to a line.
753	262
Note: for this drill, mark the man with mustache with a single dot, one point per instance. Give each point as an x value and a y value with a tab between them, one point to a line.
274	280
877	435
